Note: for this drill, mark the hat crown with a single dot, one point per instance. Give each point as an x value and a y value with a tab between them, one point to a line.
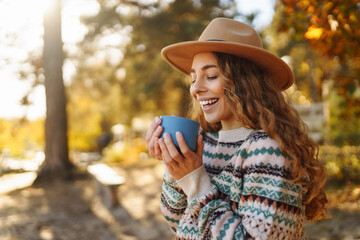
230	37
223	29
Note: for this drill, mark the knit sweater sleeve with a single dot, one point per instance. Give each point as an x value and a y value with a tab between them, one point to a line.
252	198
173	200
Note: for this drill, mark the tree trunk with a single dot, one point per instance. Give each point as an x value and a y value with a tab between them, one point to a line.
57	164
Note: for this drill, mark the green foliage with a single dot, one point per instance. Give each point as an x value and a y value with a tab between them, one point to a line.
149	83
151	75
321	38
342	163
120	73
94	106
344	122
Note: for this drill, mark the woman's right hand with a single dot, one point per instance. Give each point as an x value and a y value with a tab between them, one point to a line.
152	138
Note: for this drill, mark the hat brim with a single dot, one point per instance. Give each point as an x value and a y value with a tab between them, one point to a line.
180	56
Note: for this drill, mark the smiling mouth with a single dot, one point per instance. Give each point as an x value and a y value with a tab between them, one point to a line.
208	102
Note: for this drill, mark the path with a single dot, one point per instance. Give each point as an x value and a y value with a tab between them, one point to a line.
72	211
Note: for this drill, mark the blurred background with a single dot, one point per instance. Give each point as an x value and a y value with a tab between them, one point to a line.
81	80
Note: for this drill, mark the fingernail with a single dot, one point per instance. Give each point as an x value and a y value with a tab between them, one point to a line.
158	120
168	136
178	134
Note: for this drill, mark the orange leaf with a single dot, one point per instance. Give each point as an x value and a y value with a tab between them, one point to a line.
313	32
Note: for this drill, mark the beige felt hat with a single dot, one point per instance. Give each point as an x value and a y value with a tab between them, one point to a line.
232	37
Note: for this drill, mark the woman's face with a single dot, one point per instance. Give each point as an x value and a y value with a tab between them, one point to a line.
208	89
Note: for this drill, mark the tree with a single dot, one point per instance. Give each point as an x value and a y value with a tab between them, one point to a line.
330	28
307	64
57	164
150	85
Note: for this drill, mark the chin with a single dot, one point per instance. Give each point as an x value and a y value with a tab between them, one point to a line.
211	120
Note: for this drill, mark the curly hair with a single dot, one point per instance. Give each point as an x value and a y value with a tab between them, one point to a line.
260	104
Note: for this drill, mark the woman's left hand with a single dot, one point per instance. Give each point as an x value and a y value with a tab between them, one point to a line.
180	164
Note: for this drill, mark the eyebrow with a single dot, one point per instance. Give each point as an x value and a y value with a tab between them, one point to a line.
205	67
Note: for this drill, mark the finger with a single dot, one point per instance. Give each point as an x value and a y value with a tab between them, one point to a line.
150	147
155	123
173	151
156	134
185	150
199	145
165	153
151	143
158	131
157	150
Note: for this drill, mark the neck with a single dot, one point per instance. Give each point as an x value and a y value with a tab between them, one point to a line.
229	125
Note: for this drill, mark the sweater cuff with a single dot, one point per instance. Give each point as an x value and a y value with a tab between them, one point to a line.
196	183
167	176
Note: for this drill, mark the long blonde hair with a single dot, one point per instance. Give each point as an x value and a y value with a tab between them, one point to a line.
260	104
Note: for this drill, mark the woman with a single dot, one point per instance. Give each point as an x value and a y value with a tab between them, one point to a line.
255	173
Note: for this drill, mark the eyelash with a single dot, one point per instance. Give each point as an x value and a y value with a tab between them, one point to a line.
209	78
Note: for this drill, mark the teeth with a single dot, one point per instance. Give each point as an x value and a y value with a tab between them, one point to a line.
207	102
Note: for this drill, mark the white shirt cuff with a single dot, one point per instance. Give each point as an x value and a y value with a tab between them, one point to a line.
196	183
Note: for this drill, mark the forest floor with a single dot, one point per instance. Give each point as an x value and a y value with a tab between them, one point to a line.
69	210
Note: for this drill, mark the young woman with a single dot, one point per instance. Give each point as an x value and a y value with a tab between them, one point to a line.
255	173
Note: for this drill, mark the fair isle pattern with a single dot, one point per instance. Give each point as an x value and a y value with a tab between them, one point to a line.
252	196
173	204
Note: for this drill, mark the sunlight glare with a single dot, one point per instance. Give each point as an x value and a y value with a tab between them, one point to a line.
46	4
21	33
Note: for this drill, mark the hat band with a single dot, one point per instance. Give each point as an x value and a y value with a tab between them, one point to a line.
215	40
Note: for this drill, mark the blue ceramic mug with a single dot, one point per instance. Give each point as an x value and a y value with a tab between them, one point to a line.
188	128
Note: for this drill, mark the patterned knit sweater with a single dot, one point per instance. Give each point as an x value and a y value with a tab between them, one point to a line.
242	191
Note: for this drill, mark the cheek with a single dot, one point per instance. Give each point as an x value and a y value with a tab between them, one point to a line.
220	90
225	105
224	99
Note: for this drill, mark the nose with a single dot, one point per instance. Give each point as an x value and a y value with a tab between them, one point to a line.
198	87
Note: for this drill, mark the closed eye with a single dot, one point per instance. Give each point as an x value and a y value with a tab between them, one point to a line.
212	77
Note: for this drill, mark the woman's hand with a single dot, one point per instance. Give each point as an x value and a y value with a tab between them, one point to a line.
152	138
180	164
